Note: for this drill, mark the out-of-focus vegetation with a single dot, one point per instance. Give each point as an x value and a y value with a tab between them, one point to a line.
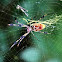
49	46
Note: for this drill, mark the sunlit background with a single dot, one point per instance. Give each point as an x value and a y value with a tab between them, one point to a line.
48	47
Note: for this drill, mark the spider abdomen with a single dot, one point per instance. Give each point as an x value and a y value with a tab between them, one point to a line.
38	26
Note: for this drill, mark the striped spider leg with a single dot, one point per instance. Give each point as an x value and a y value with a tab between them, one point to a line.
23	36
22	9
44	32
45	15
19	40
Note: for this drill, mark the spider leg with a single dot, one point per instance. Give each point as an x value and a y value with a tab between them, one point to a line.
25	20
34	35
20	25
22	9
19	7
45	15
25	9
22	37
19	40
14	44
44	32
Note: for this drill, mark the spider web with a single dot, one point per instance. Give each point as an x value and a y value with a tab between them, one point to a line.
47	49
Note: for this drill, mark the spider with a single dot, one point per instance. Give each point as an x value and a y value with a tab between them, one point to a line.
35	26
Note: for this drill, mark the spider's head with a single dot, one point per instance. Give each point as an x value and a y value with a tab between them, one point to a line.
29	29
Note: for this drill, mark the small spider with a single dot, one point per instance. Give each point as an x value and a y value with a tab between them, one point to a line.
35	26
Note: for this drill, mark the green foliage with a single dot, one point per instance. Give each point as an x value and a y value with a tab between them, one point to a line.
49	46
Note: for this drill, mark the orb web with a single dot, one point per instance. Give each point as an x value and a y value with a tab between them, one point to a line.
49	45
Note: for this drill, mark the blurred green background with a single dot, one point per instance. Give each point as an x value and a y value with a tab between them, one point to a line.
49	46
